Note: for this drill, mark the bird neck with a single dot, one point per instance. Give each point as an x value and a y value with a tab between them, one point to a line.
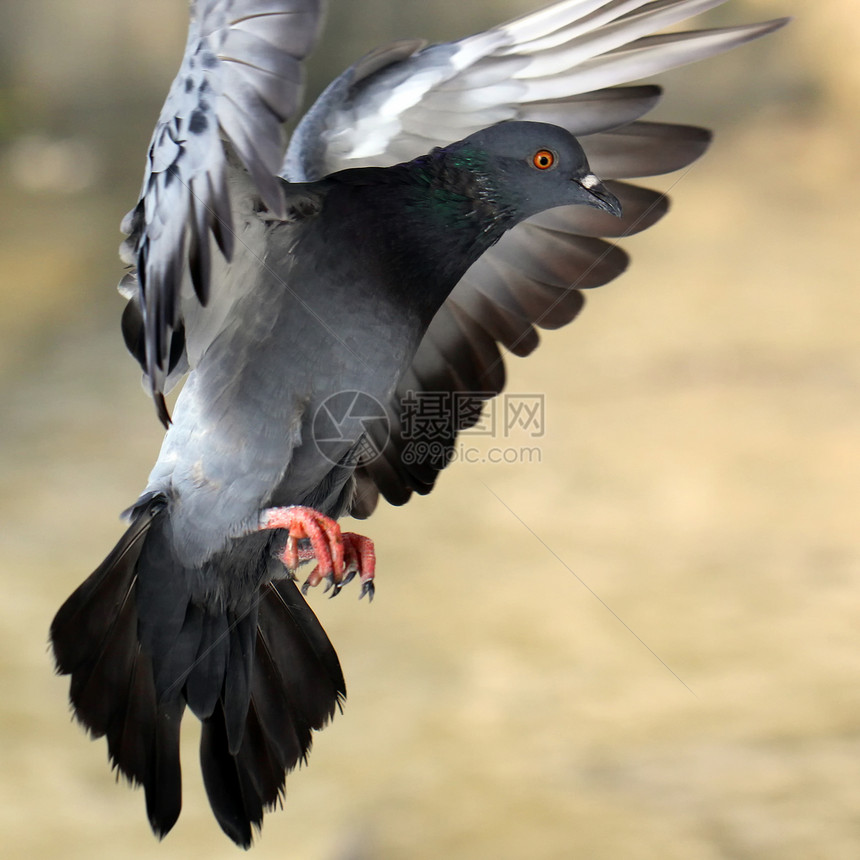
426	222
451	193
432	218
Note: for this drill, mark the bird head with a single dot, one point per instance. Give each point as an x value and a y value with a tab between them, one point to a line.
531	167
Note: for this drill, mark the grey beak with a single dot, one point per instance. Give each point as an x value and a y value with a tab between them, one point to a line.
601	197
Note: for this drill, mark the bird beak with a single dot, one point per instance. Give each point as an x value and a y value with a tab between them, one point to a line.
599	195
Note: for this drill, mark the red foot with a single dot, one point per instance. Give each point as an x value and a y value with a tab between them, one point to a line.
339	556
322	531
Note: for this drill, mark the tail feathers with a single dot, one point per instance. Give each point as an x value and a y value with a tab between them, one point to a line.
240	662
199	653
94	637
295	656
147	748
233	796
170	627
261	681
296	685
205	670
220	671
90	613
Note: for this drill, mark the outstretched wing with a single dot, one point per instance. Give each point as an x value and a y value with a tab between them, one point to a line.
240	78
563	65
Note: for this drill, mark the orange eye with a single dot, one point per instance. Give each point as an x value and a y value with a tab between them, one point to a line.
543	159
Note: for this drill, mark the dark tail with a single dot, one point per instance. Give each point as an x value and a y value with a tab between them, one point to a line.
260	680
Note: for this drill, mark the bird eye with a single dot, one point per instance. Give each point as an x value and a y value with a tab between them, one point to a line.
543	159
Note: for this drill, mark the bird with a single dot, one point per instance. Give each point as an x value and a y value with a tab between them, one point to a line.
436	204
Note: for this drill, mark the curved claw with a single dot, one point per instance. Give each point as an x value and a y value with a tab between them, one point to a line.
360	558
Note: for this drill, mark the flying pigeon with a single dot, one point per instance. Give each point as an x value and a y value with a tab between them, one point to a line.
435	203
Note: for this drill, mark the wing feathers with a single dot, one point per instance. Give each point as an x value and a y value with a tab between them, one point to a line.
241	77
587	113
562	64
644	149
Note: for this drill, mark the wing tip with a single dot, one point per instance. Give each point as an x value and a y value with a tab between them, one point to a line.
161	409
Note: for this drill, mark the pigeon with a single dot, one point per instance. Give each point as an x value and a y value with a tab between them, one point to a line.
435	204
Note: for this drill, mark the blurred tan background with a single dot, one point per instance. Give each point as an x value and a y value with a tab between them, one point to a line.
699	475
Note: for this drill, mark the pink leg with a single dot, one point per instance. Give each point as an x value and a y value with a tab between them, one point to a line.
339	556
